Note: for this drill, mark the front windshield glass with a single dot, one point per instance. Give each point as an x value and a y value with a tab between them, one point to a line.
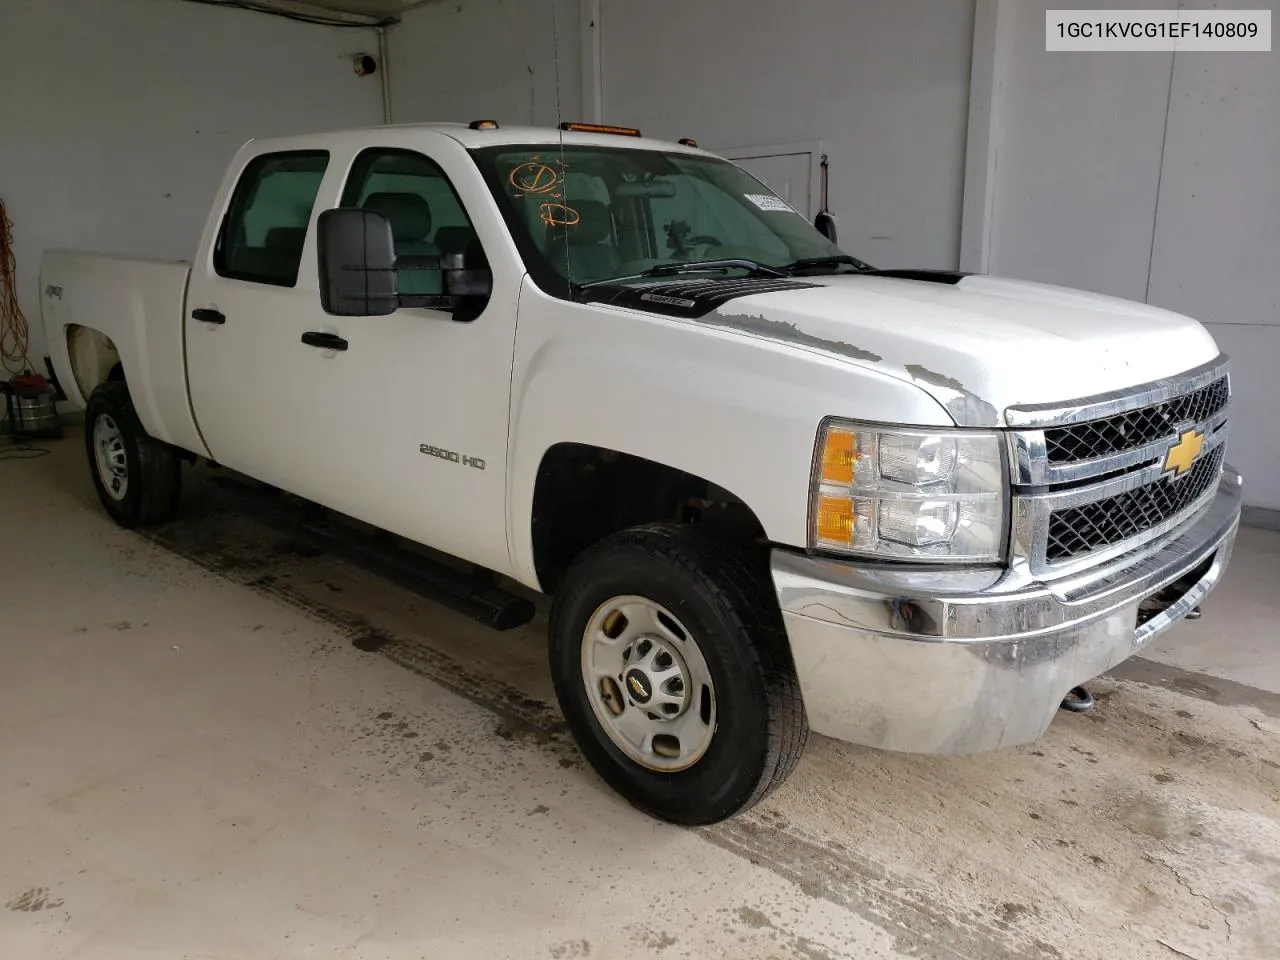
583	215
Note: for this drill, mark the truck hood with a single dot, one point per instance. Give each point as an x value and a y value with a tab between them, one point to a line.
980	344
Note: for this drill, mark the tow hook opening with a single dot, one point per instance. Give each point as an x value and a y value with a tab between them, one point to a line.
1078	700
1160	602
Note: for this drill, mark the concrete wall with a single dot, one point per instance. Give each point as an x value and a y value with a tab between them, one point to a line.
884	84
487	59
117	119
1078	162
1153	176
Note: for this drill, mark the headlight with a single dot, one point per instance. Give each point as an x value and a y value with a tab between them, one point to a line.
909	494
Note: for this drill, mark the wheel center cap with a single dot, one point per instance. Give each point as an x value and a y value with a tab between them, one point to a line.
639	686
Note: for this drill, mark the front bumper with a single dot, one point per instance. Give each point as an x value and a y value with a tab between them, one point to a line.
948	661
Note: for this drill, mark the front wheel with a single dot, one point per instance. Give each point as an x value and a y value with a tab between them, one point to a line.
672	668
138	478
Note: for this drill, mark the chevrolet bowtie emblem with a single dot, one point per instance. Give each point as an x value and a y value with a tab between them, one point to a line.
636	685
1184	452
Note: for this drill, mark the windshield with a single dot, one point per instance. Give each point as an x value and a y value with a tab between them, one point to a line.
583	215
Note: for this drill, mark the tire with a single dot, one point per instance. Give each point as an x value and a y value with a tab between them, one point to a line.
150	487
719	596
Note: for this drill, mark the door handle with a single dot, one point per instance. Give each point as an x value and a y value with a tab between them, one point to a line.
325	341
207	315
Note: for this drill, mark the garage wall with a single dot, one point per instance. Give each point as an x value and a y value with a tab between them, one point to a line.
117	119
1152	176
463	60
884	84
1077	171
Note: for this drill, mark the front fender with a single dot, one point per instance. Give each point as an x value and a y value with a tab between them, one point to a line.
737	410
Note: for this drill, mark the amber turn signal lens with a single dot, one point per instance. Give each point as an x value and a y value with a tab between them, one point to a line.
835	519
838	457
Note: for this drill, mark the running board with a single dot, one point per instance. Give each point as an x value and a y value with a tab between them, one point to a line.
476	594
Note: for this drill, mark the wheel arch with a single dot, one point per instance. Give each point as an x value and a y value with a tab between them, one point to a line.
94	358
584	492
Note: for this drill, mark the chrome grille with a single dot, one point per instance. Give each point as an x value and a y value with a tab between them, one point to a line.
1092	526
1125	431
1090	480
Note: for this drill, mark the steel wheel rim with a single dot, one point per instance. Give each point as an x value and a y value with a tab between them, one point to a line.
648	684
110	457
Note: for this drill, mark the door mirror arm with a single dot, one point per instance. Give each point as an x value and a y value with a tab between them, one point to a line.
467	286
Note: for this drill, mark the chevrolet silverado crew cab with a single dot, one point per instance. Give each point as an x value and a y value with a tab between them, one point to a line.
770	488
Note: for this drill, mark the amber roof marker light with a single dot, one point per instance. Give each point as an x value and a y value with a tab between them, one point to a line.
600	128
483	125
687	142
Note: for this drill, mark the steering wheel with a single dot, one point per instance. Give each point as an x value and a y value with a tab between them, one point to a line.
707	239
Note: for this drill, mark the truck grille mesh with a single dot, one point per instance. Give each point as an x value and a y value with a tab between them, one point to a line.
1125	431
1079	530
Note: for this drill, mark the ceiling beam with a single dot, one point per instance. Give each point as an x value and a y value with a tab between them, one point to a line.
304	9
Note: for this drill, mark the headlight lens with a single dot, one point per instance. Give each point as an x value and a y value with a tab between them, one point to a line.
908	494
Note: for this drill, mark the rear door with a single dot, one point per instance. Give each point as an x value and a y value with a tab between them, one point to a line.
248	299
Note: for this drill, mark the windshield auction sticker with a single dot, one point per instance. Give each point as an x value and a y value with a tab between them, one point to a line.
767	201
1135	30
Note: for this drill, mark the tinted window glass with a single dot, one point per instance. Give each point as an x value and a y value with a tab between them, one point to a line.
427	218
266	225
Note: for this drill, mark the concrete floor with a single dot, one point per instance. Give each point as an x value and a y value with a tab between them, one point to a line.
216	743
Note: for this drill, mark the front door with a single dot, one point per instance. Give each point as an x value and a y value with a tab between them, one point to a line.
399	421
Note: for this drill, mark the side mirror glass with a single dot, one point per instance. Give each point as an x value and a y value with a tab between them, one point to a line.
826	225
357	263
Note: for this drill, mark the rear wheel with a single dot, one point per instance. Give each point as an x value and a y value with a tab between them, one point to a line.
138	478
672	668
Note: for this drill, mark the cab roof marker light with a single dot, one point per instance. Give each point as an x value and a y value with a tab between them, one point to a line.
600	128
483	125
687	142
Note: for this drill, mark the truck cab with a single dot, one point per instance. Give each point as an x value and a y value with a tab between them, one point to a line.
770	487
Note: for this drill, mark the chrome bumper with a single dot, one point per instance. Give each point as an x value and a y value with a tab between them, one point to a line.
949	661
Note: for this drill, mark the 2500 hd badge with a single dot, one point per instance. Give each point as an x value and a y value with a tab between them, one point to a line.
451	456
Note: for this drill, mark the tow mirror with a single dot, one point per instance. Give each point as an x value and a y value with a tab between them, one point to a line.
361	276
826	225
357	263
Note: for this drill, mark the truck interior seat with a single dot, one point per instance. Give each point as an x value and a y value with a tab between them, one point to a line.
585	247
410	217
454	239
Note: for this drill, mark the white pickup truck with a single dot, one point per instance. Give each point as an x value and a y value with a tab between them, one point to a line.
770	487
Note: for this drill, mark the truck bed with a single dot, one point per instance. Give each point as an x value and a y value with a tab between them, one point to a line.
138	306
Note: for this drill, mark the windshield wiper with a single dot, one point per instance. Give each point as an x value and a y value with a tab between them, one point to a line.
753	267
835	260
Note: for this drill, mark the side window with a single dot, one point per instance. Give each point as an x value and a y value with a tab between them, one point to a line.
427	217
266	224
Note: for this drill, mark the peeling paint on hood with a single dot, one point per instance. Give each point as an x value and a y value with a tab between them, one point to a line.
981	345
789	333
965	407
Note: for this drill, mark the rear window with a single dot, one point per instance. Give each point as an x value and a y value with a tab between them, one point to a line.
266	224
